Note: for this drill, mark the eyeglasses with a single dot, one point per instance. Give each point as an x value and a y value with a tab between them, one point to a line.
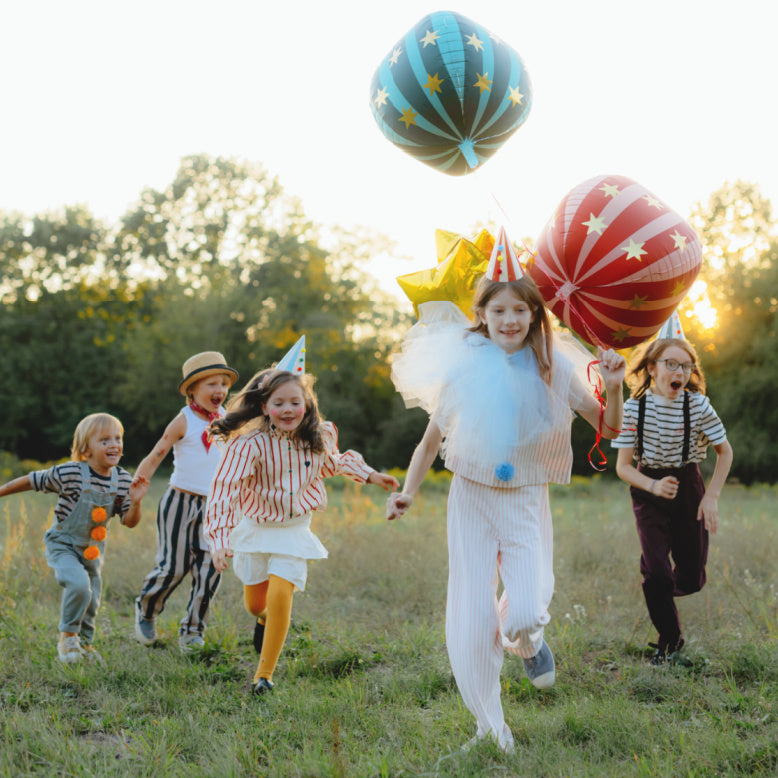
672	365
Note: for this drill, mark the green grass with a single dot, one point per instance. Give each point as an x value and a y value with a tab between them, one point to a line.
364	686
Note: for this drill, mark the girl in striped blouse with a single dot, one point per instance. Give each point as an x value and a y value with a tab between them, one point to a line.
668	425
270	479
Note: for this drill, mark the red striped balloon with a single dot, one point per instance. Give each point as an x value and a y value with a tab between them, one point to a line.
614	261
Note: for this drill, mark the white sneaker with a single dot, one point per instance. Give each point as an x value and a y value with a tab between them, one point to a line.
69	649
540	668
187	643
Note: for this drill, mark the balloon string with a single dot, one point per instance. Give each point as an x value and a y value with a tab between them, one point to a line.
596	385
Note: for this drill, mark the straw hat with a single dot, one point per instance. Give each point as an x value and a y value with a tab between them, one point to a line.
202	365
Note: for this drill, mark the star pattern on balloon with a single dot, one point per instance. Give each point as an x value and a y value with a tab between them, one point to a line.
483	83
634	250
611	190
433	84
620	334
381	97
653	202
514	95
638	301
430	39
474	41
395	57
595	224
679	240
408	117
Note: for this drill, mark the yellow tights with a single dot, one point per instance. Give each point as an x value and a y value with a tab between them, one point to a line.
271	603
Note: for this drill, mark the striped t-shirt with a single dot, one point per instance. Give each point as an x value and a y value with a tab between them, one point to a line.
663	429
65	480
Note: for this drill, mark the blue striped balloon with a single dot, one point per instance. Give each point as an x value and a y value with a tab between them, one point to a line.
450	93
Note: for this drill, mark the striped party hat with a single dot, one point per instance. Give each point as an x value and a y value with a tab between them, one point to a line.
504	265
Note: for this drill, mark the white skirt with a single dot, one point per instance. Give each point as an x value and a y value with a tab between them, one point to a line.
290	538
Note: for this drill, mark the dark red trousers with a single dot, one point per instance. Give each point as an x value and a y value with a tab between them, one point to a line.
674	548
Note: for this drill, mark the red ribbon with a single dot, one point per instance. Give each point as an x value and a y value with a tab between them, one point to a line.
211	417
601	401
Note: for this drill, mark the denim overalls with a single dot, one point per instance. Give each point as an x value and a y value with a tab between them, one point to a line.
65	544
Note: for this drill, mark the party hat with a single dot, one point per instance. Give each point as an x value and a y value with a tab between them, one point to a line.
504	265
672	328
294	359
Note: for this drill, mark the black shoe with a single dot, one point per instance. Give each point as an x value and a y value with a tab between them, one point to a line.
659	657
262	686
259	636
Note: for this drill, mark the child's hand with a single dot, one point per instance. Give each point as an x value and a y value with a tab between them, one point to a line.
612	367
709	513
397	504
220	559
138	488
666	487
386	482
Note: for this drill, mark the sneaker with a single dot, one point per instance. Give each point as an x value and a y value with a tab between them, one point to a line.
259	636
145	631
69	649
540	668
664	654
262	686
91	654
187	643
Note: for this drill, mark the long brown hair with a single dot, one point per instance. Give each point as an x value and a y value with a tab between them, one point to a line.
244	411
539	336
646	354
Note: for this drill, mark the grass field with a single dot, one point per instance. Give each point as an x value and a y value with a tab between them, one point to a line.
364	686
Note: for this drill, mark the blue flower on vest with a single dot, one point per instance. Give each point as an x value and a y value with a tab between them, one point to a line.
504	471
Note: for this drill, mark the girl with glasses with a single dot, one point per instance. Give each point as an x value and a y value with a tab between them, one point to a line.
668	425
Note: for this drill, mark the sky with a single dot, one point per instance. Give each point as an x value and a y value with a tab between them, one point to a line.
103	99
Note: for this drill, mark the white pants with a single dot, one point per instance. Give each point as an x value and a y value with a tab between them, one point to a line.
491	530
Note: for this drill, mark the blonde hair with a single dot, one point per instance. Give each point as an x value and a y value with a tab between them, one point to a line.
87	427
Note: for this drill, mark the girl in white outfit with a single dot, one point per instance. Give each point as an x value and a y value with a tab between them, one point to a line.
499	393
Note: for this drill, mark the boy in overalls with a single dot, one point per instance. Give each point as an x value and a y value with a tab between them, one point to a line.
92	488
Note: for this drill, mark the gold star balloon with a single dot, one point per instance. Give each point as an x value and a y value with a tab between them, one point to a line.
461	262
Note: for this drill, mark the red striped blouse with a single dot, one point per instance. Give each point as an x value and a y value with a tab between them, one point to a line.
266	476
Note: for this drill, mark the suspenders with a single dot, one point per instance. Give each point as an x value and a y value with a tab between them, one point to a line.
687	431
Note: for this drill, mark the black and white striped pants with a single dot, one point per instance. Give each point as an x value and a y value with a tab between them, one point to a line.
181	549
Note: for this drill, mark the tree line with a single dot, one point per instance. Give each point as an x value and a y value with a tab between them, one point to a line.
101	317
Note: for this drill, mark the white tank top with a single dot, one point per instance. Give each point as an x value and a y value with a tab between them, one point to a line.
193	466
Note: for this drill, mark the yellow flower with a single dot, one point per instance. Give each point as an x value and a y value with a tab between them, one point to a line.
99	514
91	552
99	533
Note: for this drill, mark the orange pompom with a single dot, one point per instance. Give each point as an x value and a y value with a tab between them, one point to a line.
91	552
99	514
99	533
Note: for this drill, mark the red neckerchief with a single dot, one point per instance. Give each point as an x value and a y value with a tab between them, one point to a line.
211	417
